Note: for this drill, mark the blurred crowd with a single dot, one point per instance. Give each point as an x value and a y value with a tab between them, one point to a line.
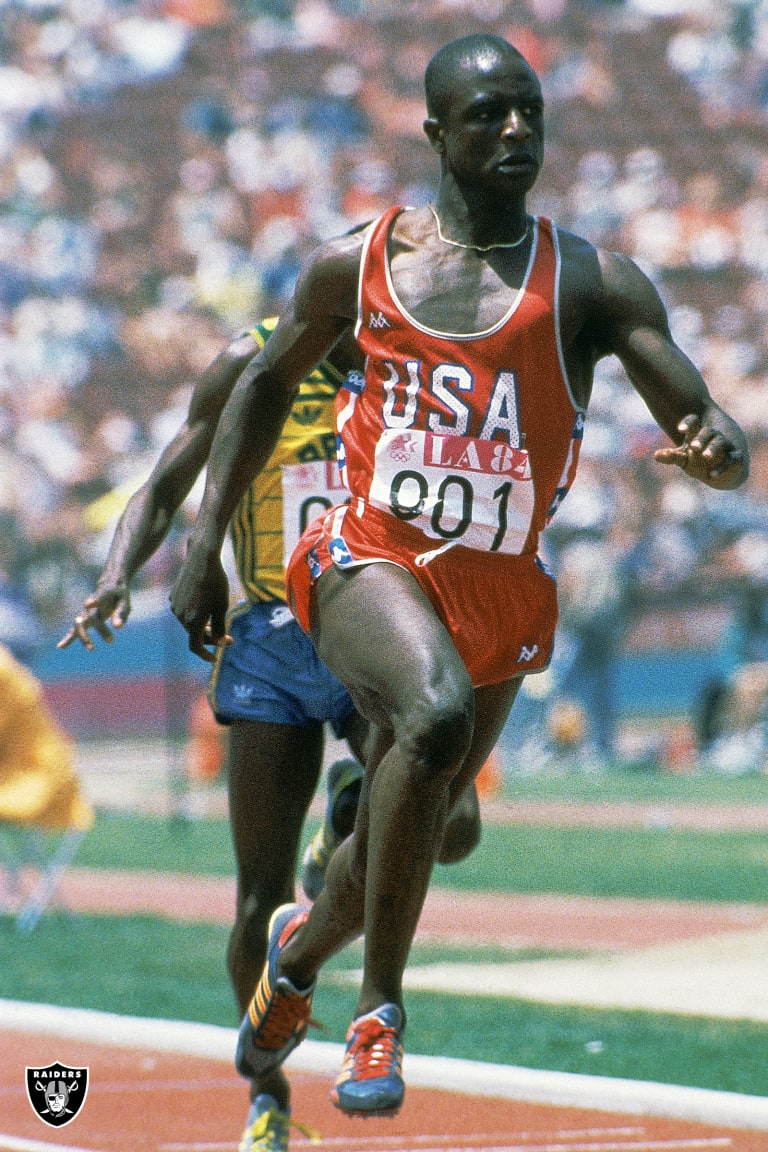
166	165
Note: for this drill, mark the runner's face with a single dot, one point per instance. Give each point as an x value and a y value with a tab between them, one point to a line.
492	132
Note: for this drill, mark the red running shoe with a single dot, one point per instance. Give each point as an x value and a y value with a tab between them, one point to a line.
370	1082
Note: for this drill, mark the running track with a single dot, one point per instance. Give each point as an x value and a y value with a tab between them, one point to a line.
157	1086
182	1095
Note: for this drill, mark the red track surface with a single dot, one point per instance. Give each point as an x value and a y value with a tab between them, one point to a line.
156	1102
523	921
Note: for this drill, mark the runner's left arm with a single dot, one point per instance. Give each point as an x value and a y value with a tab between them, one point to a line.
708	444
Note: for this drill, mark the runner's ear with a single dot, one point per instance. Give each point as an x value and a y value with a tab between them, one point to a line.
434	134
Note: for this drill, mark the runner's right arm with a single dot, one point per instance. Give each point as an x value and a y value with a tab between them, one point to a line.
149	513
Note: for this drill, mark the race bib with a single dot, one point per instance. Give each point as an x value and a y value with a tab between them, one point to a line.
478	493
308	491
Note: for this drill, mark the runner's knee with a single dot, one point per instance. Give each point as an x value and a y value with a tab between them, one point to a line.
436	732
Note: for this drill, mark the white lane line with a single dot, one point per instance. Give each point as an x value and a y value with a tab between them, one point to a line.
502	1081
17	1144
472	1143
459	1144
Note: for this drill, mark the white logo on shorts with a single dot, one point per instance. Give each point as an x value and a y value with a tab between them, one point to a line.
242	693
281	616
527	654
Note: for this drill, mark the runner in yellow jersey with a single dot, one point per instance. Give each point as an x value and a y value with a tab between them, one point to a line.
300	479
268	686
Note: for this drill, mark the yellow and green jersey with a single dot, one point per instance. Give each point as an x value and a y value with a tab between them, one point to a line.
301	478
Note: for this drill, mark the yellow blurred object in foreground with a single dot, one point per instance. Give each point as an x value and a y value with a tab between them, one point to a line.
38	782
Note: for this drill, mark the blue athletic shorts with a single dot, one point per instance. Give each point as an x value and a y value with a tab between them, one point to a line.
271	672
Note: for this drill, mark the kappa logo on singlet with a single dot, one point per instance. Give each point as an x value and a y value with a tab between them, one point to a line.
378	320
527	654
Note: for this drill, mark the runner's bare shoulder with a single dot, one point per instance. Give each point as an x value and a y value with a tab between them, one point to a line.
329	281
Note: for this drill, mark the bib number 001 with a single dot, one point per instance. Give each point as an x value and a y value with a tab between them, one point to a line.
484	499
445	495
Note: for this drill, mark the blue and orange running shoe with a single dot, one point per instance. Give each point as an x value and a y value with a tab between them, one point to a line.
278	1015
345	778
371	1081
266	1129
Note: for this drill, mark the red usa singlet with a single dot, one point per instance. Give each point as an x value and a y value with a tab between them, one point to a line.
472	439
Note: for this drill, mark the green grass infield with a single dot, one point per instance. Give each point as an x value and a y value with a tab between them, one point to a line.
143	966
655	862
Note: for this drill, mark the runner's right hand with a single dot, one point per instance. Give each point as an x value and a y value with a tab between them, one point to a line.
111	605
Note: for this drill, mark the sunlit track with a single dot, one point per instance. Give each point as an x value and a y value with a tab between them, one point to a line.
169	1086
557	1143
475	1143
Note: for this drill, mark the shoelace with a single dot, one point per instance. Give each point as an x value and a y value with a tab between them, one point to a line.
285	1016
375	1050
275	1124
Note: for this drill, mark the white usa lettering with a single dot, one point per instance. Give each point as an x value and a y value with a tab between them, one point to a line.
444	378
502	413
400	411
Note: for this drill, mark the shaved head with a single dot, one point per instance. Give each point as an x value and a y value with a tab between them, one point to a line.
479	53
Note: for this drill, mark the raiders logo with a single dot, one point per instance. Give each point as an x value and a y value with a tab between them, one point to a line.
57	1093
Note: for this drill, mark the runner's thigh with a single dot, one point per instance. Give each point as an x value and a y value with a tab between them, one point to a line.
377	631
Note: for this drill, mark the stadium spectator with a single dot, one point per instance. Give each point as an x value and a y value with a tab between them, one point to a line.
594	591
